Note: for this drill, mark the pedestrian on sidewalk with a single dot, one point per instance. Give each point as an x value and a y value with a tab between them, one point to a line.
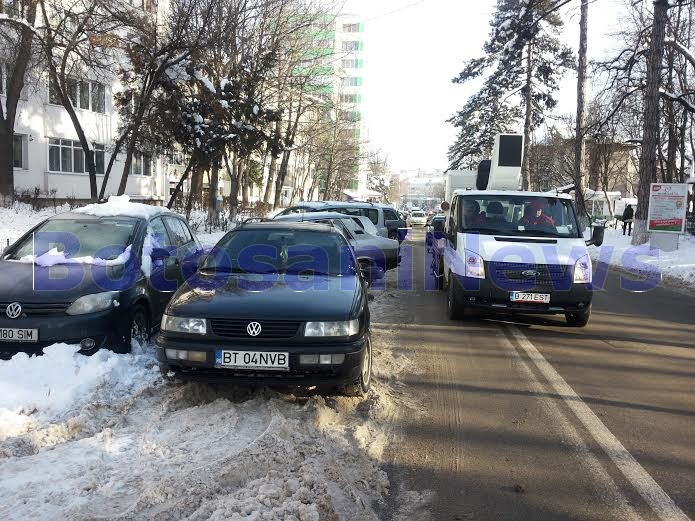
628	215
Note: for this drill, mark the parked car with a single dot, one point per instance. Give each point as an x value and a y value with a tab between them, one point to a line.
375	255
100	287
269	321
418	218
384	217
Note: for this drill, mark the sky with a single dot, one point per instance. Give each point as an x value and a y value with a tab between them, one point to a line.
413	48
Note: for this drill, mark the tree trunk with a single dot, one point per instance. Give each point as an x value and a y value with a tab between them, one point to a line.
212	193
195	191
233	171
579	144
650	132
282	175
179	186
245	188
271	175
112	160
525	170
6	163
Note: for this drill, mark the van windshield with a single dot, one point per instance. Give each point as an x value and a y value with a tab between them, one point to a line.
529	216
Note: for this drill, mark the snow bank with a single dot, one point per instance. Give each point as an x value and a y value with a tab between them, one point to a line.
679	266
121	205
39	388
16	221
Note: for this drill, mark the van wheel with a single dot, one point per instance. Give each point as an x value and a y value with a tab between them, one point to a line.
578	318
455	309
361	386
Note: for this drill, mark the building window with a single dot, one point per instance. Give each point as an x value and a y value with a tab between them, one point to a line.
351	28
98	97
18	151
65	155
351	81
99	159
142	164
82	93
353	45
350	98
175	157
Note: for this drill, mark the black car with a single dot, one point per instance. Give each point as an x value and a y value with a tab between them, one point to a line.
83	279
274	303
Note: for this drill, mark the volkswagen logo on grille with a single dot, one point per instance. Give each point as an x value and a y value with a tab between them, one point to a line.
529	273
253	329
14	310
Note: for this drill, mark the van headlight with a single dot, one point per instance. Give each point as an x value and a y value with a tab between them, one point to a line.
475	267
340	328
582	270
193	326
93	303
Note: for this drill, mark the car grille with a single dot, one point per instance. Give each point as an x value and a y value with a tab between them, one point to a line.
38	310
508	275
234	328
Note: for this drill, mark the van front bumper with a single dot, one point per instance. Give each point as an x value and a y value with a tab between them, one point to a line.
486	294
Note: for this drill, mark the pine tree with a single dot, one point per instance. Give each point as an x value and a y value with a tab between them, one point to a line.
522	65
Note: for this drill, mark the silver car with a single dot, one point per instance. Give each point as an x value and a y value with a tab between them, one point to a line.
375	254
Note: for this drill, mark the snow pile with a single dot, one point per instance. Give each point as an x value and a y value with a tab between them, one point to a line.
36	389
120	205
19	219
677	266
54	257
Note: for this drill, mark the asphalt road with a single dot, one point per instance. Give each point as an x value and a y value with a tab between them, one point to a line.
527	419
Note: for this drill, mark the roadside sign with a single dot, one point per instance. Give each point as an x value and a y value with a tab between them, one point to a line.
667	206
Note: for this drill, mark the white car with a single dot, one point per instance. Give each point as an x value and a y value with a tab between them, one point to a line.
418	218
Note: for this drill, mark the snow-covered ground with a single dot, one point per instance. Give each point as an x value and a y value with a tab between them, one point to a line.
677	268
105	437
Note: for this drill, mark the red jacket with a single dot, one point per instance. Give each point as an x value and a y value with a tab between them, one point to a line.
542	220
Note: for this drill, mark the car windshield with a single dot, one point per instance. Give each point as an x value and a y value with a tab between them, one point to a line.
282	251
418	214
518	215
78	238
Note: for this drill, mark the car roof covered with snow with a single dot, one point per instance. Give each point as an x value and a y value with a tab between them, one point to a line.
121	206
287	225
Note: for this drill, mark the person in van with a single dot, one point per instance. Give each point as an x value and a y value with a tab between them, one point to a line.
495	212
628	216
471	214
534	216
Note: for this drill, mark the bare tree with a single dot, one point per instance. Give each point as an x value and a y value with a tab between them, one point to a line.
17	38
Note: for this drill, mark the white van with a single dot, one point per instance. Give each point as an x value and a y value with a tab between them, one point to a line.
516	252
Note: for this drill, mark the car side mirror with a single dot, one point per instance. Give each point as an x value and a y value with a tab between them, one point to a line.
438	226
159	254
597	234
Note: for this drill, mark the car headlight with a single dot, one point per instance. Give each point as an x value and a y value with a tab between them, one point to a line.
582	270
341	328
475	267
93	303
194	326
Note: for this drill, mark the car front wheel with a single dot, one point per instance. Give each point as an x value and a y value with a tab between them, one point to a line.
362	385
455	309
139	330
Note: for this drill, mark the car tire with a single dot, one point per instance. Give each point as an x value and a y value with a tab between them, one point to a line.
454	307
393	234
361	387
579	318
138	328
366	269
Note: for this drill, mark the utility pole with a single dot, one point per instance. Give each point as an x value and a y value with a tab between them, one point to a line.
579	145
650	132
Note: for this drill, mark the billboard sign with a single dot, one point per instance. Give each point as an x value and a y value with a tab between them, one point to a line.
667	206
